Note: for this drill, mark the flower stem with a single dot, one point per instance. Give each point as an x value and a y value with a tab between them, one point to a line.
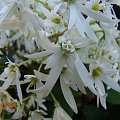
56	103
45	5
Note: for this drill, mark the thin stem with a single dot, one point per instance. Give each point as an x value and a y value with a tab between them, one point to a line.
22	63
26	61
40	66
26	98
3	112
55	100
45	5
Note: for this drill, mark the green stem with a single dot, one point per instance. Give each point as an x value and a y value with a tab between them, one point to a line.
40	66
26	61
3	113
26	98
55	101
45	5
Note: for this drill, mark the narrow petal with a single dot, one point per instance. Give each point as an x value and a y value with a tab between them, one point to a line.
18	84
44	42
57	7
103	101
68	94
53	60
80	27
79	83
100	87
35	20
93	14
12	25
6	11
46	12
53	77
83	74
70	79
40	76
72	18
39	98
60	114
8	82
87	29
39	55
111	83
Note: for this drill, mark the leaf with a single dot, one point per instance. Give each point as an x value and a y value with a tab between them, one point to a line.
91	112
113	97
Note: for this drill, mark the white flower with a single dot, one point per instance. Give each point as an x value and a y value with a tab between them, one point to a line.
61	54
17	16
38	115
103	73
11	76
53	23
19	113
35	82
7	102
76	8
69	78
60	114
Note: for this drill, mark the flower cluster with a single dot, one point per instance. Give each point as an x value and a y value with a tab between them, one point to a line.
76	42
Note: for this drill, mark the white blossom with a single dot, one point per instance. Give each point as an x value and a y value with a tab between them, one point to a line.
103	73
11	75
60	114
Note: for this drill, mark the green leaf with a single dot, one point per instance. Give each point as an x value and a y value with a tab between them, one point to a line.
91	112
113	97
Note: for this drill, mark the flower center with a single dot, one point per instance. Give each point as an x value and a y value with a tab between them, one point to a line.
11	68
96	7
97	72
56	20
68	46
34	80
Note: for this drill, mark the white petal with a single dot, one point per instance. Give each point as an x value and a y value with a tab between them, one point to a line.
22	1
82	43
96	15
34	19
68	94
12	25
100	87
52	78
70	79
46	12
73	15
21	82
8	82
103	101
57	7
44	42
39	98
18	84
87	29
6	11
80	26
60	114
83	73
40	76
39	55
79	83
53	59
111	83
